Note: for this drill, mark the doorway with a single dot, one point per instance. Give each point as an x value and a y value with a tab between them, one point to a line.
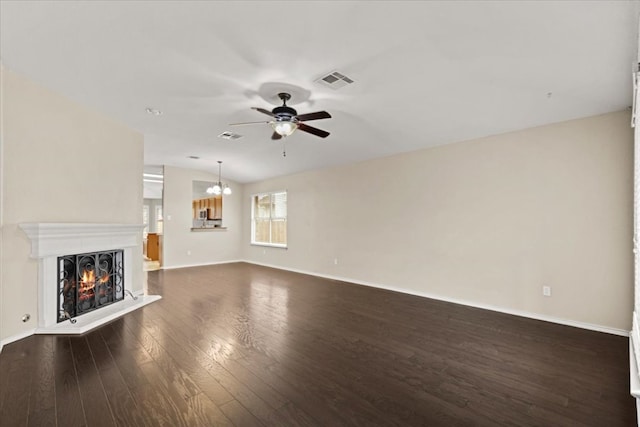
152	216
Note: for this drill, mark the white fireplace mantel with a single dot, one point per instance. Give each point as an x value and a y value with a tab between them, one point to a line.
51	240
55	238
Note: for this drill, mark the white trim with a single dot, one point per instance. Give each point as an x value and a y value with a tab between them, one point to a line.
269	245
173	267
16	337
536	316
87	322
634	107
2	185
92	320
53	239
635	336
634	379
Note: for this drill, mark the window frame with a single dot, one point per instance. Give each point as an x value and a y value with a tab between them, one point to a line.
146	211
159	219
271	218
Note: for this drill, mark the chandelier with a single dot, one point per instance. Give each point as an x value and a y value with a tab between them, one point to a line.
218	188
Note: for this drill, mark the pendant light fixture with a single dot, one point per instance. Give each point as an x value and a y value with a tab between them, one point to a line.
218	188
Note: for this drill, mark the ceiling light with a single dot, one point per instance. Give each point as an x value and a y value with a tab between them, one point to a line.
284	128
219	188
153	111
216	189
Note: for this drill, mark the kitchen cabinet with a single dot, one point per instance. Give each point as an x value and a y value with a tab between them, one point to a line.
217	207
213	206
153	246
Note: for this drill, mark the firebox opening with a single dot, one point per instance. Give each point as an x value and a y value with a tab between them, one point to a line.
88	282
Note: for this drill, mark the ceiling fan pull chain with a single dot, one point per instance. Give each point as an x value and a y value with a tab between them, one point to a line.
284	149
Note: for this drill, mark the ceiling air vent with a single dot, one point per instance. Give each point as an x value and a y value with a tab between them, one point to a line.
229	135
334	80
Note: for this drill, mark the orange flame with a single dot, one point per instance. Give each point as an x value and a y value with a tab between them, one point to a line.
88	279
88	282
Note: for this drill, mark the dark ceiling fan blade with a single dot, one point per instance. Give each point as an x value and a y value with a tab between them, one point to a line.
314	116
263	111
247	123
315	131
276	135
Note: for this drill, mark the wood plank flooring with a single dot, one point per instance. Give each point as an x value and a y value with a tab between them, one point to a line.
244	345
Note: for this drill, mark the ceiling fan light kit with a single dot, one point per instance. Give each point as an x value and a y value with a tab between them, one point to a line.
284	128
286	120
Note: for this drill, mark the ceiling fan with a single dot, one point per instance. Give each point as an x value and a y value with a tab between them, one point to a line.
285	120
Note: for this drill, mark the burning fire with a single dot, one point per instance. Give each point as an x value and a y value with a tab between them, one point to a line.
88	283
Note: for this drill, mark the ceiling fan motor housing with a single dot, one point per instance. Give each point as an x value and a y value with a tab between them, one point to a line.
284	112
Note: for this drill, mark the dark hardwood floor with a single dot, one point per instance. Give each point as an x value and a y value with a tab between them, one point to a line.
244	345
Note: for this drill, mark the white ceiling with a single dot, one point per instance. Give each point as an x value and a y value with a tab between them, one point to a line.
426	73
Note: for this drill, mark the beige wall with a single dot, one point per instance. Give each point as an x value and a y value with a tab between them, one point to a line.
487	222
205	247
62	163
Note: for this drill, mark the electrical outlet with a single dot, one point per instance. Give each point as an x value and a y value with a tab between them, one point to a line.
188	252
335	261
546	291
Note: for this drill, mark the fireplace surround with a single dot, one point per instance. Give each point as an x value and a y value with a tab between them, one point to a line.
51	241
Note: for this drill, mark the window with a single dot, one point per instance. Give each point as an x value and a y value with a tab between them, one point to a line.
145	220
159	219
269	219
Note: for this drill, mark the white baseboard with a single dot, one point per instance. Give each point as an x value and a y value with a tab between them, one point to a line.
634	379
16	337
82	328
536	316
94	319
172	267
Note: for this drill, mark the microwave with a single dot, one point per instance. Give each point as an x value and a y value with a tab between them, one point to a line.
202	214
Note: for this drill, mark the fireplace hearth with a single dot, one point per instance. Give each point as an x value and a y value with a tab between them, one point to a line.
88	282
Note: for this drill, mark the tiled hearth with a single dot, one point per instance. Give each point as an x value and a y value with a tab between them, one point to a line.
52	240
